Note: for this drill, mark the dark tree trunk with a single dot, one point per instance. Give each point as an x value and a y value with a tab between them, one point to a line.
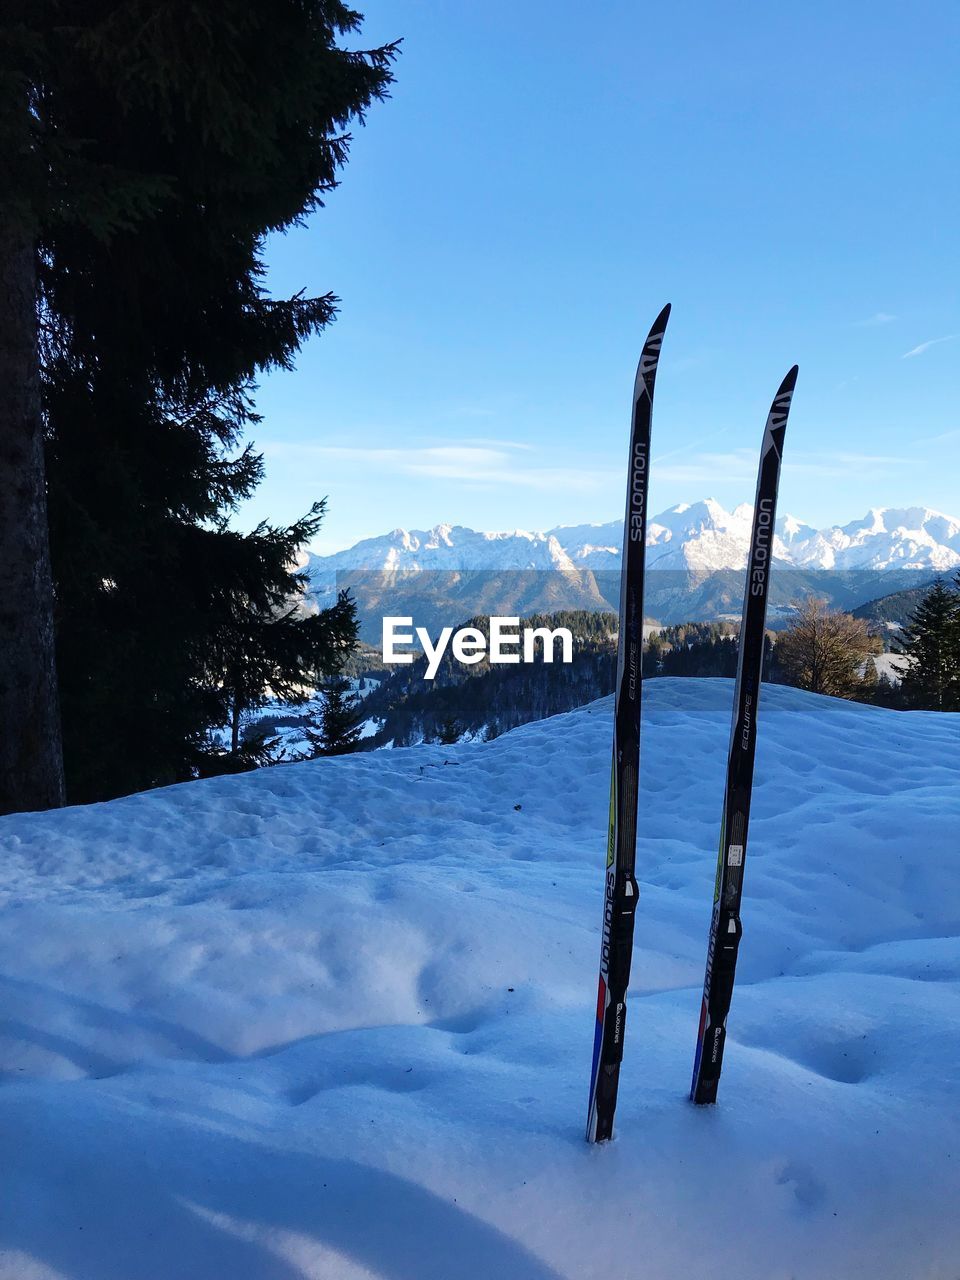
235	726
31	759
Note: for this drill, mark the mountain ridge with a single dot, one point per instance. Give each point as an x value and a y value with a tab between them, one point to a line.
698	536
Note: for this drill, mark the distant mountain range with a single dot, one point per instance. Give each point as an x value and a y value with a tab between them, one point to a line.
696	555
698	536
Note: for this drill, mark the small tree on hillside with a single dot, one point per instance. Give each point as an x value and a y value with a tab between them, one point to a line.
263	646
339	720
824	651
931	643
888	692
449	731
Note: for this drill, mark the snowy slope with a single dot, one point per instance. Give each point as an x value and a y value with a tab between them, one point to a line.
690	536
334	1020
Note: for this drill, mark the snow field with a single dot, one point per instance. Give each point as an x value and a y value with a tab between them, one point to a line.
334	1020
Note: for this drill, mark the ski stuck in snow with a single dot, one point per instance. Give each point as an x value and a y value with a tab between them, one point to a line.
725	926
620	885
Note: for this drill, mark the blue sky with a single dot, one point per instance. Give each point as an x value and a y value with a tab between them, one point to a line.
544	178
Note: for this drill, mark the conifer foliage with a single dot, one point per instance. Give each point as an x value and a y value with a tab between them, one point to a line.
157	146
931	644
339	720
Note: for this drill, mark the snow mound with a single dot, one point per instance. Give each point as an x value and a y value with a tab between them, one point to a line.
334	1020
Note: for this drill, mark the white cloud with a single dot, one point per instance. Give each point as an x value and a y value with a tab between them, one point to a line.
680	364
941	438
876	320
660	458
841	463
472	411
471	464
709	468
740	466
484	441
925	346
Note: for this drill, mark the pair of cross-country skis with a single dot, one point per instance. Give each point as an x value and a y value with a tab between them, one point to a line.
620	893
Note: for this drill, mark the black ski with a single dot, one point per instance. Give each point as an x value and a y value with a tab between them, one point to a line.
725	927
620	892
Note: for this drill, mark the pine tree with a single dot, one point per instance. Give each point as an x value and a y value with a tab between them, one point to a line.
264	649
339	720
31	760
931	644
888	692
154	150
49	176
448	732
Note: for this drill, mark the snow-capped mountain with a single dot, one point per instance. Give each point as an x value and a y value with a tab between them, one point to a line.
696	552
886	538
448	547
700	536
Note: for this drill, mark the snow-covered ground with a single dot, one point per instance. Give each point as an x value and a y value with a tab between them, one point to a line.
289	722
334	1020
891	665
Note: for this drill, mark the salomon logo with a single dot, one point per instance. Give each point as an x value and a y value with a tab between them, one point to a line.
715	1046
638	479
607	925
761	550
618	1024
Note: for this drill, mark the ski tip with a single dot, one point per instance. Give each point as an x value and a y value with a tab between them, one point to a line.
779	412
789	382
658	326
649	356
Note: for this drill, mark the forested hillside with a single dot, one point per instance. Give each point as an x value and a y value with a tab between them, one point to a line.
485	700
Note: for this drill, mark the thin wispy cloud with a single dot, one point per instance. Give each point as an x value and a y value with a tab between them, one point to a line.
842	464
740	465
487	442
711	468
941	438
875	321
688	448
470	464
683	363
472	411
925	346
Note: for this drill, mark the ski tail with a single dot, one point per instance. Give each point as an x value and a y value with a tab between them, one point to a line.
726	929
620	886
